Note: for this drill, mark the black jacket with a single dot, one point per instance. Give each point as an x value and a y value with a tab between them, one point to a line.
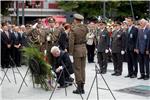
64	61
132	39
16	40
103	41
63	41
5	40
118	41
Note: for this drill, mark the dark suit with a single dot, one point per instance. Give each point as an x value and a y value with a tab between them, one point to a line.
142	44
118	45
5	51
63	41
131	55
148	46
16	51
103	44
64	61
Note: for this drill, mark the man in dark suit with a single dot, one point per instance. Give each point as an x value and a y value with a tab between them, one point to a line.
6	44
118	48
141	49
62	63
63	41
16	37
130	46
103	47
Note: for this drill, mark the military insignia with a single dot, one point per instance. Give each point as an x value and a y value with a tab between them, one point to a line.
131	35
103	35
118	36
48	38
145	36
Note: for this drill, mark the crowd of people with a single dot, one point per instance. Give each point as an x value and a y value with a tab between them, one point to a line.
68	45
123	41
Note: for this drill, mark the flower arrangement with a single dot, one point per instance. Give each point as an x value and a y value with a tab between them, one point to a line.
46	72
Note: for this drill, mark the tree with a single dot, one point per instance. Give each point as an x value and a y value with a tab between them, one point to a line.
4	7
87	8
113	8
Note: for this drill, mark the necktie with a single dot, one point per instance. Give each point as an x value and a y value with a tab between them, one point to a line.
16	35
7	33
129	30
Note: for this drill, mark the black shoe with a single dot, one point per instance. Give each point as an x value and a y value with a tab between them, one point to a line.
133	76
70	79
146	78
7	67
77	91
142	77
103	72
114	74
127	76
118	74
62	86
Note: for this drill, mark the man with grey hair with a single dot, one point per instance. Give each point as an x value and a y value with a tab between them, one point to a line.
62	67
142	49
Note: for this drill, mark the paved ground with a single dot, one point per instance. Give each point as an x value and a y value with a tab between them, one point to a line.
9	90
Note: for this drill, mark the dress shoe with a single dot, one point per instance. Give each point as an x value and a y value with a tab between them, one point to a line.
103	72
62	86
146	78
114	74
78	91
70	79
133	76
127	76
141	77
118	74
7	67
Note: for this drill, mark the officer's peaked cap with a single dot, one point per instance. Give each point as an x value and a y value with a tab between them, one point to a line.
78	16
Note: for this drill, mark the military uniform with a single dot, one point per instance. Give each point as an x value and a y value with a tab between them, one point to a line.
103	44
118	45
53	34
77	48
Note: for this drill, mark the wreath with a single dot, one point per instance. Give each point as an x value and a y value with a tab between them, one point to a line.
41	70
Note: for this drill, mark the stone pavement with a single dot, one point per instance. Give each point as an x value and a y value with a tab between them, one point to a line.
9	90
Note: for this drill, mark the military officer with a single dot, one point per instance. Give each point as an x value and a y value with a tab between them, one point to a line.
118	48
103	47
77	48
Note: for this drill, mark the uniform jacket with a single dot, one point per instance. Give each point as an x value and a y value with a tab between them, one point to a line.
77	40
103	41
118	41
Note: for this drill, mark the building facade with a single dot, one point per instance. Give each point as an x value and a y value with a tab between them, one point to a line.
34	9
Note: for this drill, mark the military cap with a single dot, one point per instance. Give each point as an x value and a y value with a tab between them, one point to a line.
117	23
51	19
78	16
